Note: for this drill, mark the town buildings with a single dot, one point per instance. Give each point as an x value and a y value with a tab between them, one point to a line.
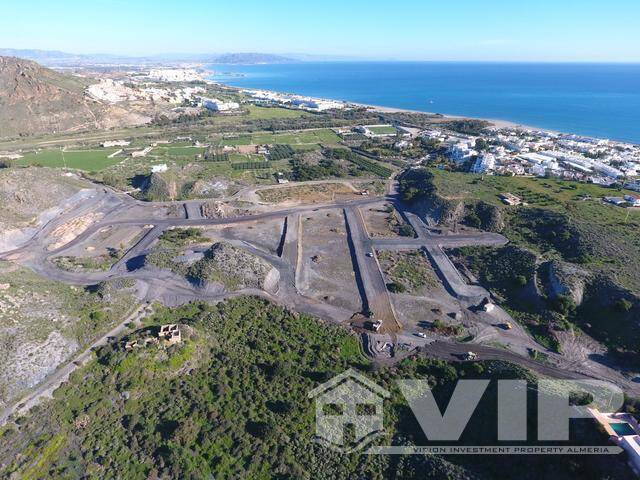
521	151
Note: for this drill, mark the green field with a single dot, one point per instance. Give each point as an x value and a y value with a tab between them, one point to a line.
185	151
88	160
311	137
267	113
178	151
384	130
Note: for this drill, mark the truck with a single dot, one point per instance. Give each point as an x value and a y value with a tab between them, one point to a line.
470	356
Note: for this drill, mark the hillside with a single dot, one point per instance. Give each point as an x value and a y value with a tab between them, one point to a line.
231	401
34	99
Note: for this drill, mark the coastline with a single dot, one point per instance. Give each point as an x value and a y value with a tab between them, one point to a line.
498	123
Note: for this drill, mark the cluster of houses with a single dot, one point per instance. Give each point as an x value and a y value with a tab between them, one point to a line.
518	151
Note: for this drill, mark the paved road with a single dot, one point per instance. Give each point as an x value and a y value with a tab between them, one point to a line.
433	245
445	241
375	289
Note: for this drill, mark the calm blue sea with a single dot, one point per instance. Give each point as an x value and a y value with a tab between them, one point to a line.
600	100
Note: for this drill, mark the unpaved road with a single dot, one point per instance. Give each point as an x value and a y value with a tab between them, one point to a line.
118	209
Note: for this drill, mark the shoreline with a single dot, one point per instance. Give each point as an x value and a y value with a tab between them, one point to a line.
497	123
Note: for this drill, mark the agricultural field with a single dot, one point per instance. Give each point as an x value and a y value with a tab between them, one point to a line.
87	160
269	113
383	130
304	138
178	151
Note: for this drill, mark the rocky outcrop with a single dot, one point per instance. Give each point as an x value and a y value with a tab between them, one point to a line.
161	187
234	268
566	280
491	217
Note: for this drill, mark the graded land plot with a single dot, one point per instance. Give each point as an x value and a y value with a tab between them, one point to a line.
310	193
42	323
410	272
87	160
383	220
102	250
434	316
262	234
326	267
419	298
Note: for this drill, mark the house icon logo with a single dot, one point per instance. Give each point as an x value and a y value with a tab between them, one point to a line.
349	411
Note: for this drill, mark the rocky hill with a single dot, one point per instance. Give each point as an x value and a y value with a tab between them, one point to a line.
35	99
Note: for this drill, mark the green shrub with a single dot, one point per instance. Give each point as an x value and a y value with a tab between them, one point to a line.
623	305
396	287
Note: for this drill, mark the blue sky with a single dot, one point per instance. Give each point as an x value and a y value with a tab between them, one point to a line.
514	30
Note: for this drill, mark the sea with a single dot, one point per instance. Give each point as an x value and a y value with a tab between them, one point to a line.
597	100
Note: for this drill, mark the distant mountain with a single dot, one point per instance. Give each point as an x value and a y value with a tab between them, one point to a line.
36	55
56	58
251	58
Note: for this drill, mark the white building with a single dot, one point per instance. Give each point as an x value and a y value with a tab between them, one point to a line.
115	143
461	150
141	153
304	103
218	105
175	75
485	163
159	168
